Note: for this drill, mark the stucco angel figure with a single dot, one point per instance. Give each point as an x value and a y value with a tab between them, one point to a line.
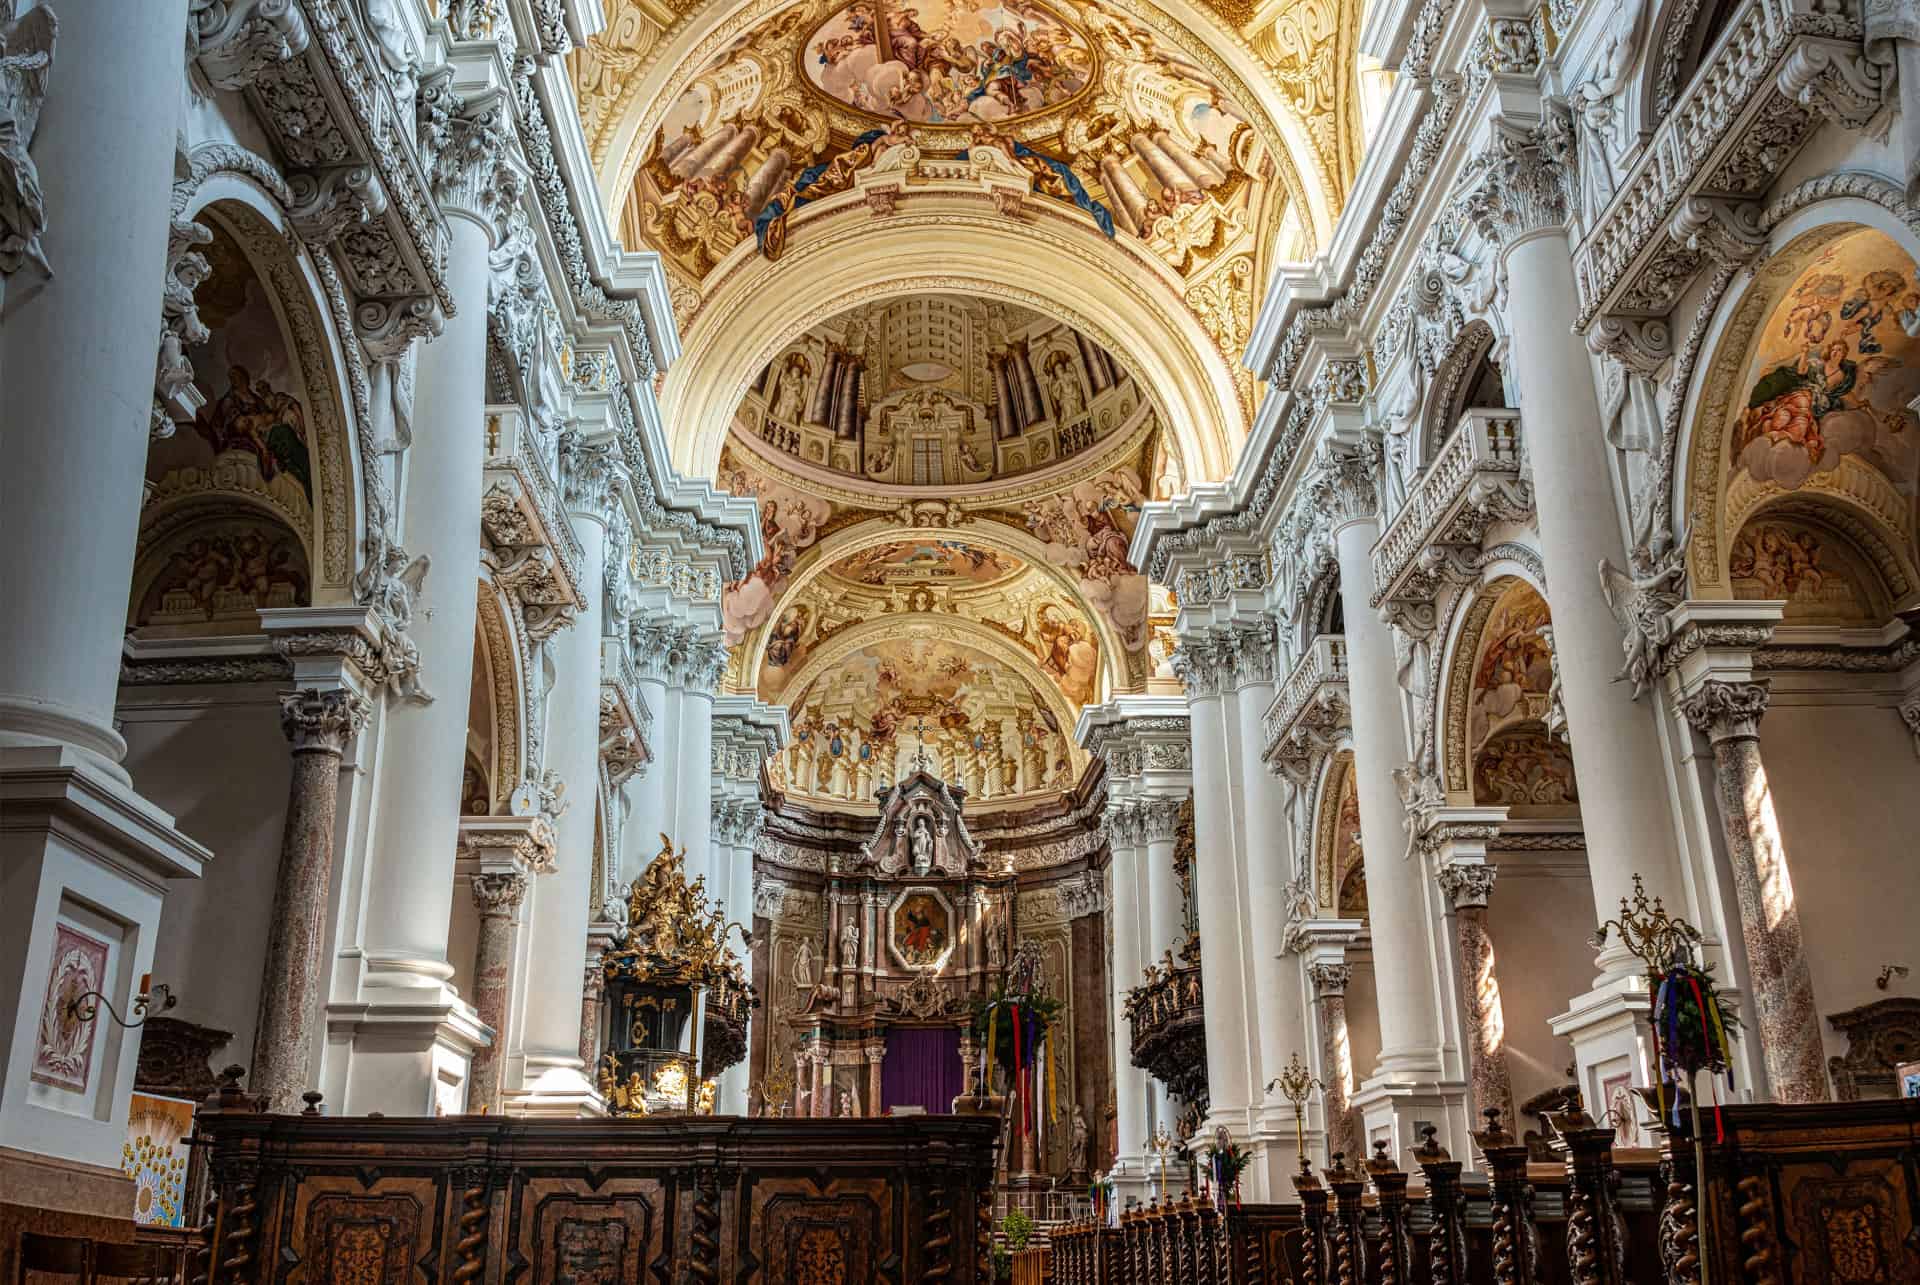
1641	598
390	586
1301	907
26	56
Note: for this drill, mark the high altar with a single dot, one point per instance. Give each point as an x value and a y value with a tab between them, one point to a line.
918	928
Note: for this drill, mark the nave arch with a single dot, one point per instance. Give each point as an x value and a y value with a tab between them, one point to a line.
1128	302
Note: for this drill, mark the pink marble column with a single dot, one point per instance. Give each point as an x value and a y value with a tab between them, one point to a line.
876	1054
595	989
497	895
1336	1057
319	724
1728	714
1468	884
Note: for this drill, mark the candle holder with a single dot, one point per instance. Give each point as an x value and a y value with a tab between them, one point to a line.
1161	1143
1296	1085
82	1008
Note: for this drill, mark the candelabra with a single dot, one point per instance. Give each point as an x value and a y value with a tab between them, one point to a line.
1296	1085
1161	1143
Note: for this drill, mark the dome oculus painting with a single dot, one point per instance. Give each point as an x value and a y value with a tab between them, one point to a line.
948	62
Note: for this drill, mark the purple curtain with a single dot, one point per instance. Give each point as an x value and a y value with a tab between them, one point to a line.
922	1068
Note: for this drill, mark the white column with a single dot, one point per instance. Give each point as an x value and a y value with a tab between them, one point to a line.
1397	905
1279	1008
411	1034
553	1079
650	811
79	850
1165	929
1126	910
693	804
77	355
1205	667
1617	751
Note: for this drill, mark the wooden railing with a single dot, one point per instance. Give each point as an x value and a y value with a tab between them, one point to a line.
1796	1196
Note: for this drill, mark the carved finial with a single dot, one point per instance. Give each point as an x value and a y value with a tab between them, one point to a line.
312	1098
1430	1152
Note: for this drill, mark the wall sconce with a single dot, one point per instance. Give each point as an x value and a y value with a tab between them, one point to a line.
1887	973
82	1008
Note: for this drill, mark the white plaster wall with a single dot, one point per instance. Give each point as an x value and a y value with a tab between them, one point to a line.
218	761
1846	791
1539	917
463	936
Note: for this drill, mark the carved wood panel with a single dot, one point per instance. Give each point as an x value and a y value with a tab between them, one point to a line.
806	1235
345	1234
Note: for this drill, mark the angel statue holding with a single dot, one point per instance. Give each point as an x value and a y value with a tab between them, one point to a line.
26	56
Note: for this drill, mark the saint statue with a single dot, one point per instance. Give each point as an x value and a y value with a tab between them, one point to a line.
1079	1146
849	945
922	846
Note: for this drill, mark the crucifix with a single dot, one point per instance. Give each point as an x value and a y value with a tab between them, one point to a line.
920	752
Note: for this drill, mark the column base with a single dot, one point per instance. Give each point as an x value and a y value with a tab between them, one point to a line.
85	862
555	1089
405	1051
1281	1160
1612	1047
1399	1109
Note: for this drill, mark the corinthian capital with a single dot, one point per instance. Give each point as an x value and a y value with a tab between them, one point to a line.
1345	483
1162	819
590	474
499	893
1726	711
1202	665
1525	179
706	663
1467	883
322	721
473	170
1253	652
1329	980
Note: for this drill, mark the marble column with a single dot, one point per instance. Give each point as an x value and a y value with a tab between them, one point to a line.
1205	668
1397	908
820	405
1615	741
1160	818
497	895
1130	1088
693	825
1468	884
652	813
593	989
876	1054
1336	1057
77	353
398	1063
318	724
1130	202
554	1079
1728	714
1003	418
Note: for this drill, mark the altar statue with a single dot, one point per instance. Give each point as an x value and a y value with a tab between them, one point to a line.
922	846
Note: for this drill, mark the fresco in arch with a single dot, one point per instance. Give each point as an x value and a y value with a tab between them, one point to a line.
790	522
221	573
1822	579
1513	672
922	561
1833	371
253	405
948	62
868	715
1086	530
1523	767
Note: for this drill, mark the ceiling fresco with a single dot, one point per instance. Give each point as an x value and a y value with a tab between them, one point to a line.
940	390
860	725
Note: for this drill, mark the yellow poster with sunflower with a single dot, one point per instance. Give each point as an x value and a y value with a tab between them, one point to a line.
155	1157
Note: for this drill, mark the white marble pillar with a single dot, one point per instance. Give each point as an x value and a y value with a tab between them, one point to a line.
1205	668
77	354
651	811
553	1080
1166	930
693	802
1614	739
1273	974
1396	898
1128	909
411	1034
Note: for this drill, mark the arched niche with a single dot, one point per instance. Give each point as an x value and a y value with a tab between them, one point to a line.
1466	379
272	431
1805	402
211	565
496	703
1498	675
1804	551
1339	878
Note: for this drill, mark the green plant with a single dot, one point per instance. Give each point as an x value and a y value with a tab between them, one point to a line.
1002	1264
1018	1229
